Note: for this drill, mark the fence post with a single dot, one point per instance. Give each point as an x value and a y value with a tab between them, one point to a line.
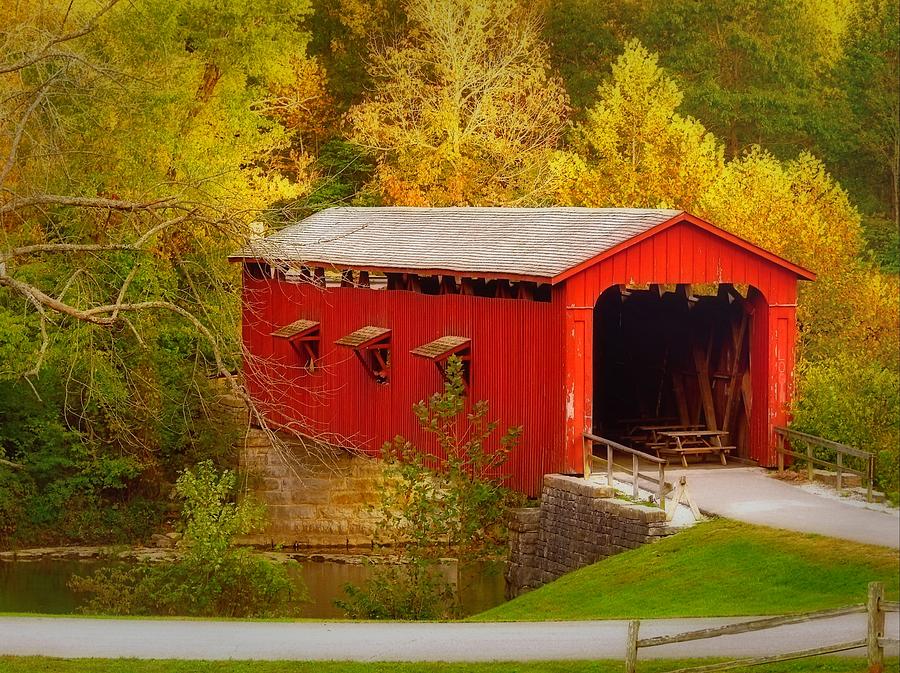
840	469
809	459
875	630
661	492
609	466
631	646
779	447
871	479
635	493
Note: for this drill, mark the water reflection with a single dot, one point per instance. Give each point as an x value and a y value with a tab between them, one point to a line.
40	586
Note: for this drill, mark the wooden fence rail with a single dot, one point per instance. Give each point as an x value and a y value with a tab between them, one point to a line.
867	475
636	457
875	642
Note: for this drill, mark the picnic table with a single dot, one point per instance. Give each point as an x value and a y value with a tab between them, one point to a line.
693	442
648	435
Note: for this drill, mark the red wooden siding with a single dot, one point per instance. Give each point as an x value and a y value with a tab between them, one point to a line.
686	253
532	361
516	366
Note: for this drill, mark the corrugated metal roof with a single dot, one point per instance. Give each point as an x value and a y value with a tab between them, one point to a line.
363	336
536	242
441	347
296	328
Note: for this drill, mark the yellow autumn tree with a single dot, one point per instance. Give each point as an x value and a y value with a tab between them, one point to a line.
798	211
464	110
634	148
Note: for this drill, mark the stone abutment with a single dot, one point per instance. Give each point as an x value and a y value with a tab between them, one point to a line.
577	524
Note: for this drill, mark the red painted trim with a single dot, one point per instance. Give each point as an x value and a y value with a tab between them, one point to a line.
801	272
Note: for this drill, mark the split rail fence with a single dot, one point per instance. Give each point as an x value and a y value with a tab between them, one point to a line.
874	642
784	435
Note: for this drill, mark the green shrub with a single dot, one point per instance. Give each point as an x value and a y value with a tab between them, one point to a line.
14	492
435	503
453	497
415	589
210	577
855	401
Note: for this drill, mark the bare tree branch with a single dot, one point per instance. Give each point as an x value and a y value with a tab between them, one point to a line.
20	128
123	290
45	340
44	51
92	247
85	202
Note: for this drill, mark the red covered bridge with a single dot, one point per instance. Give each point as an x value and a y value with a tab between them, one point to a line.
570	320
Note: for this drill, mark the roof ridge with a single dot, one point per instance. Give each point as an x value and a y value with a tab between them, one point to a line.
540	244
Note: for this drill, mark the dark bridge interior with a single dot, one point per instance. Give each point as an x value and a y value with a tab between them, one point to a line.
667	355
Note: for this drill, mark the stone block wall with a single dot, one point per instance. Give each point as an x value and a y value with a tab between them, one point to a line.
315	495
577	524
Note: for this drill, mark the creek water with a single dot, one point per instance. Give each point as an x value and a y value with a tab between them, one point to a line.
41	586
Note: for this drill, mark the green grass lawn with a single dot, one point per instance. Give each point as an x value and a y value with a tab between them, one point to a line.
717	568
47	665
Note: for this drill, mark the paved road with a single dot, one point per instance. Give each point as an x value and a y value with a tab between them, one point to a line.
747	494
172	639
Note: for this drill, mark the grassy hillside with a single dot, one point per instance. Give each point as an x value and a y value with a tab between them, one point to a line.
719	568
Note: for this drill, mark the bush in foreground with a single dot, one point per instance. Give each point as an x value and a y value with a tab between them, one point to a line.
210	577
435	503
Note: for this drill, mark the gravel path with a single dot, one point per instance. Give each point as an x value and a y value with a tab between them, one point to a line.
748	494
349	641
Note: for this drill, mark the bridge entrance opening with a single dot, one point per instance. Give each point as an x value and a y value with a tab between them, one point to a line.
674	356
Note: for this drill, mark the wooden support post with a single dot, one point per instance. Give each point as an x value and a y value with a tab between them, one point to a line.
875	630
631	646
809	459
706	396
734	384
684	415
635	493
747	394
661	487
840	467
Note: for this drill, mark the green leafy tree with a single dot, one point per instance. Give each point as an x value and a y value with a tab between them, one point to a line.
138	142
863	116
747	67
452	497
634	148
852	398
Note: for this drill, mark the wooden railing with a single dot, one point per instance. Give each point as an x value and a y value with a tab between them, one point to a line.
636	457
867	475
874	642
